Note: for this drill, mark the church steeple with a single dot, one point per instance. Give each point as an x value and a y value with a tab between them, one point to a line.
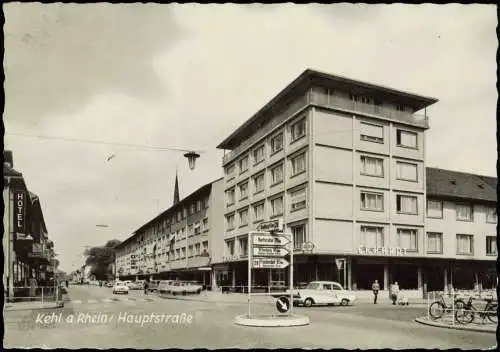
176	189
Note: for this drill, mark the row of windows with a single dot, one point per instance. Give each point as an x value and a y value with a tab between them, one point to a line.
464	212
373	236
197	249
373	201
373	166
298	200
298	232
258	154
276	175
371	132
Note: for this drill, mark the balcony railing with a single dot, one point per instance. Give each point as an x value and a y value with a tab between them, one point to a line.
321	98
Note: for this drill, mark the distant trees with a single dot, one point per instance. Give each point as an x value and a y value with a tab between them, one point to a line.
101	258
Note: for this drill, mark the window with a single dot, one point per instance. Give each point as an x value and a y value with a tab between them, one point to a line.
299	236
372	201
371	133
244	164
244	190
230	222
184	213
179	216
372	236
298	164
406	139
434	209
230	170
491	215
259	211
277	143
177	254
230	247
190	251
407	238
406	171
243	246
298	129
277	206
360	98
258	183
406	204
372	166
491	245
464	212
205	224
327	287
298	199
205	202
258	154
464	244
190	229
197	228
183	251
197	249
434	242
230	196
205	246
243	217
192	208
277	174
198	205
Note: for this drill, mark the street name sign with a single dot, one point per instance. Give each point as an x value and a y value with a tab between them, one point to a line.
269	252
270	240
271	226
271	263
283	304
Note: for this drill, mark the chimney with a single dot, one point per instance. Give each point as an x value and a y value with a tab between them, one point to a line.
8	159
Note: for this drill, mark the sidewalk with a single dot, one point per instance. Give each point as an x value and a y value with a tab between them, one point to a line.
448	324
9	306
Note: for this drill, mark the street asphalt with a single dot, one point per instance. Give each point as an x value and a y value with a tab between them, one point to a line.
103	320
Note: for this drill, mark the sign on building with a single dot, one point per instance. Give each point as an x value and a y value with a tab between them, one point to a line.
19	211
271	226
382	251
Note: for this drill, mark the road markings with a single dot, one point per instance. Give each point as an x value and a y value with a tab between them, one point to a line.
108	300
92	301
77	301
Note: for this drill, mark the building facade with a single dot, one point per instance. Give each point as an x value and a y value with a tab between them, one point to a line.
28	252
177	243
342	162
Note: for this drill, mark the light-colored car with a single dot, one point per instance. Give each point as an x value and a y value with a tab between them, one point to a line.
120	287
192	287
109	284
137	285
323	292
164	286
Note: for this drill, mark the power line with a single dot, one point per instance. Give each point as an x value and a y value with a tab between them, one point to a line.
139	146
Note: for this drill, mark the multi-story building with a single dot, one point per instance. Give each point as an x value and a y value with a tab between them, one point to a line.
342	162
28	252
176	243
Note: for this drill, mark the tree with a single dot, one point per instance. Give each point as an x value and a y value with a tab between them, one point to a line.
101	258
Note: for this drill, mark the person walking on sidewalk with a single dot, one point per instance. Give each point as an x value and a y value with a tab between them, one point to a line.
375	289
146	287
394	291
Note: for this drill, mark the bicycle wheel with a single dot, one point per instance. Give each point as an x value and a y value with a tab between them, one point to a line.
459	304
492	313
436	310
464	315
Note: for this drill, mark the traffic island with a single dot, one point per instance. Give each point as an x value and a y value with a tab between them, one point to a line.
448	324
274	321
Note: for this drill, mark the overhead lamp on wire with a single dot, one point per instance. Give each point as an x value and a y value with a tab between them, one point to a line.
192	156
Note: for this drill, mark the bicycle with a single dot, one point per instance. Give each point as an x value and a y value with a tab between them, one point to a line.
467	313
438	308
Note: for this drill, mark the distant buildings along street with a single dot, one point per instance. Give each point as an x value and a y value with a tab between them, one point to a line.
343	164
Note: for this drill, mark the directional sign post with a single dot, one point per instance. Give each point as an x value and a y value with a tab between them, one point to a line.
283	304
266	251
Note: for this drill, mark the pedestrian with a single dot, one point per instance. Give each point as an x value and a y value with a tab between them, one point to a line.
146	286
375	289
394	291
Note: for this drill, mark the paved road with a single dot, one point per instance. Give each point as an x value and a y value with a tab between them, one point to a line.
189	324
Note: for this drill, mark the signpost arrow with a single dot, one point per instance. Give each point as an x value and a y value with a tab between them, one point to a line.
283	304
269	251
271	263
270	240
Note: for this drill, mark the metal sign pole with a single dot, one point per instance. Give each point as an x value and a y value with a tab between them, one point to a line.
250	249
291	273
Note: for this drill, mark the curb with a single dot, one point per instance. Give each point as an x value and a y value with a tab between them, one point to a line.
425	321
272	322
8	308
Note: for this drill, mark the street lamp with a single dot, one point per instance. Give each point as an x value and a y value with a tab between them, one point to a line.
192	156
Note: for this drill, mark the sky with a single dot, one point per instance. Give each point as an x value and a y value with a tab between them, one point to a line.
186	76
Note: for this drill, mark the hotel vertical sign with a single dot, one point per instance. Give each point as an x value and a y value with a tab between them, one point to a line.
19	211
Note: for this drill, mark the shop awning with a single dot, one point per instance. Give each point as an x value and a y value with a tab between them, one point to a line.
205	268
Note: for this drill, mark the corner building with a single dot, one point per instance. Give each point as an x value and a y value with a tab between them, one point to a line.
343	163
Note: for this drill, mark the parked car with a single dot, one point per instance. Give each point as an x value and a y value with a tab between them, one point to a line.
192	287
120	287
164	286
153	285
178	288
109	284
137	285
323	292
